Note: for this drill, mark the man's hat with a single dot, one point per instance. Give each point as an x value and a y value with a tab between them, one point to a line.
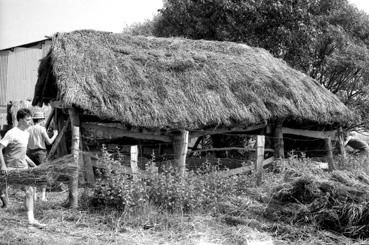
38	115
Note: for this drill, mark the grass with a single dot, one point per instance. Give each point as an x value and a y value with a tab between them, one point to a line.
236	219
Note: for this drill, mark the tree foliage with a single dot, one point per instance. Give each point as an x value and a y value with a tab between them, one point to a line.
326	39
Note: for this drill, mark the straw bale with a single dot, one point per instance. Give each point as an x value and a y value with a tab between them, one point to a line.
45	174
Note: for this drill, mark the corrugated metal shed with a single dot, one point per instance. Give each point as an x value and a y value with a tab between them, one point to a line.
18	73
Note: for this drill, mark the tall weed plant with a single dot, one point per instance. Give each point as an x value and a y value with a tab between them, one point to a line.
167	190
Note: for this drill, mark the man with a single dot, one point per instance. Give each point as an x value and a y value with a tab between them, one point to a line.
36	144
14	158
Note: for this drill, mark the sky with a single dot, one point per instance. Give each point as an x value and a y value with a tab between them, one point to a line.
25	21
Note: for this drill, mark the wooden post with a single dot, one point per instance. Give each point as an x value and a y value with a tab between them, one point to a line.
278	140
58	139
260	143
180	145
328	148
48	121
341	142
73	182
62	145
134	159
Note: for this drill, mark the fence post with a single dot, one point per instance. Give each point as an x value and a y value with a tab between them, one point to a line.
180	145
134	160
73	182
260	144
278	140
329	150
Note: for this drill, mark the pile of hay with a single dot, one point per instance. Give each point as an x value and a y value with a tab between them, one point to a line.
339	203
45	174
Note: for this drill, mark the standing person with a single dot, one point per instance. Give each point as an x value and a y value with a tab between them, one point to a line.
14	158
36	144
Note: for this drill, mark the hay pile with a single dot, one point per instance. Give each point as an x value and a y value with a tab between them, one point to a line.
45	174
339	203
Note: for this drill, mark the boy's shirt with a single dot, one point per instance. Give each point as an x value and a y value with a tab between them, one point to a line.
15	143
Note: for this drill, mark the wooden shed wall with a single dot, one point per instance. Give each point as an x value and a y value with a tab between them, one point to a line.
18	74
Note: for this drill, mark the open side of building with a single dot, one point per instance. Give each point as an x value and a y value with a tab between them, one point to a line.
170	90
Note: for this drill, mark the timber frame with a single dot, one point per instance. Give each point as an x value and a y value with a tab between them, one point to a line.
178	137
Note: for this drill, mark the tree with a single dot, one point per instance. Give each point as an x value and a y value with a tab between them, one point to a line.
326	39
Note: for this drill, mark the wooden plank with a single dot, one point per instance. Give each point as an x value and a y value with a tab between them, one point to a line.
310	133
89	172
268	161
108	131
260	143
180	146
58	139
232	148
134	159
199	133
73	183
278	140
329	149
235	171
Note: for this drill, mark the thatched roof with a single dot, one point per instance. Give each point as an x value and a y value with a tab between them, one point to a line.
179	83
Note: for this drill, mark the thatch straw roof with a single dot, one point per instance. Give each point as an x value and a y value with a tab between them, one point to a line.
179	83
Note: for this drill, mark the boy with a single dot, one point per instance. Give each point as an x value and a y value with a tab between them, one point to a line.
14	158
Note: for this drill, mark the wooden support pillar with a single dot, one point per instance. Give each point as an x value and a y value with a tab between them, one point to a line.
341	142
58	139
50	118
329	150
260	143
62	145
75	150
180	145
134	160
278	140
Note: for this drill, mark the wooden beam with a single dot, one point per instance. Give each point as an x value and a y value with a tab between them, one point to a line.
198	133
111	131
57	140
310	133
73	183
180	145
194	148
329	149
278	140
260	143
